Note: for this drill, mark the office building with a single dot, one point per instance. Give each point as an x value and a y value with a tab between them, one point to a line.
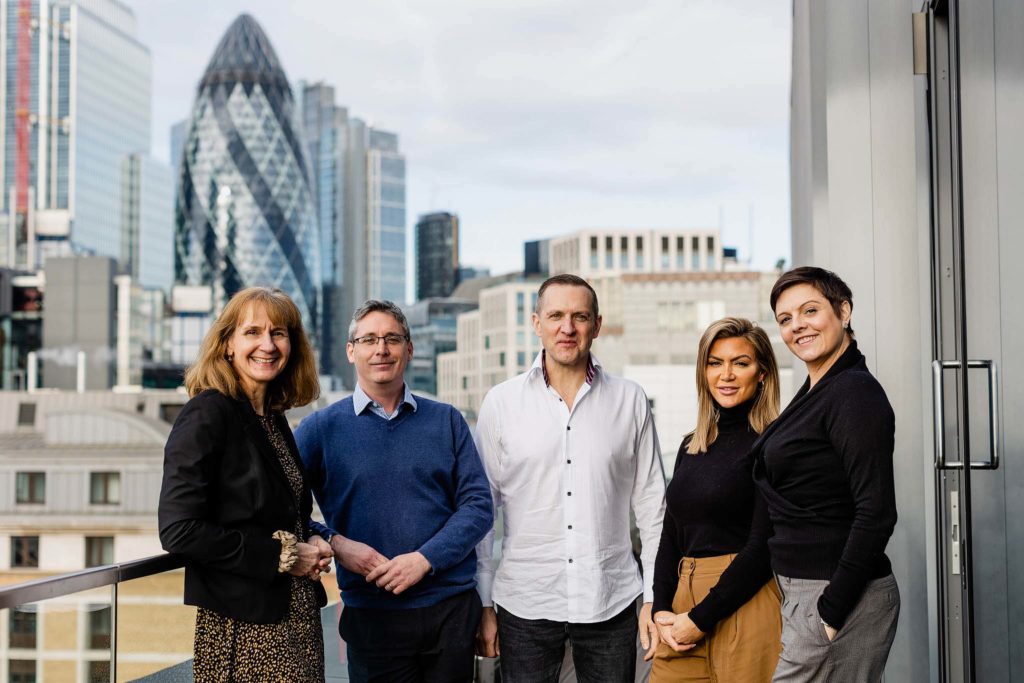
244	213
432	326
73	103
147	222
535	258
358	175
21	325
437	255
591	253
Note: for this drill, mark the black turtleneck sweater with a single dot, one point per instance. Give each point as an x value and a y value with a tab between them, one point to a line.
710	503
824	468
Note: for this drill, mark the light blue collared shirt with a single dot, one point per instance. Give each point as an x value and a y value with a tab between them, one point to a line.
360	401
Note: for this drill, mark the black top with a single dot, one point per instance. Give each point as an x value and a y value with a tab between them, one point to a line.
825	470
709	506
224	494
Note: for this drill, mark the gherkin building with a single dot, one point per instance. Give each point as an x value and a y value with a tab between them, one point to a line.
244	212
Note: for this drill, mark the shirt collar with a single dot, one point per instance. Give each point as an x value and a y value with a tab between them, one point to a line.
360	400
538	367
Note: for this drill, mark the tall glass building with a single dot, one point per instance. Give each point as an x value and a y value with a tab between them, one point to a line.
244	212
89	106
359	184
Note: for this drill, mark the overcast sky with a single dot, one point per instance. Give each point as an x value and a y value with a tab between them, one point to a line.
532	118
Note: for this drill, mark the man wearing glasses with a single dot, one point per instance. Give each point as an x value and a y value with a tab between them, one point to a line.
405	500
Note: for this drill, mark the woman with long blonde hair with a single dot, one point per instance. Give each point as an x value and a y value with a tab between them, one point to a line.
234	500
718	618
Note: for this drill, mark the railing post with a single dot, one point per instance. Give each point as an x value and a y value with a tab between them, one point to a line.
113	632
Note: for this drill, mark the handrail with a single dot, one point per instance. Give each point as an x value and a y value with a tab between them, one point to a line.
96	577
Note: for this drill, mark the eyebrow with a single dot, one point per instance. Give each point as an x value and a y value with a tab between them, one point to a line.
809	301
742	355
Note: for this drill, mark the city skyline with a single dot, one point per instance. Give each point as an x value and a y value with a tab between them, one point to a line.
536	121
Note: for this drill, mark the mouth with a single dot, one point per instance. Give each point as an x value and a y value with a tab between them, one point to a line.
263	361
727	391
806	339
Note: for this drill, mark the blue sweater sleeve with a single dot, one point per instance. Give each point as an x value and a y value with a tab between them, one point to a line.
307	438
474	514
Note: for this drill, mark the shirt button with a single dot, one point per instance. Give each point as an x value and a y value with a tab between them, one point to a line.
568	462
570	560
570	493
570	526
568	428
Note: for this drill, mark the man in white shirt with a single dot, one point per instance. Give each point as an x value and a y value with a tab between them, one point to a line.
569	450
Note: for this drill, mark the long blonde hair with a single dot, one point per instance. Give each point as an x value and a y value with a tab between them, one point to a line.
297	384
766	403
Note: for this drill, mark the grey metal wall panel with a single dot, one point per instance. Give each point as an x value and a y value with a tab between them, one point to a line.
857	209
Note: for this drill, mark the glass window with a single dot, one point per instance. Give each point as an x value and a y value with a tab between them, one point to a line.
624	253
98	672
22	671
521	359
639	253
487	341
501	359
520	308
22	628
99	550
24	551
104	488
99	627
30	487
609	255
27	414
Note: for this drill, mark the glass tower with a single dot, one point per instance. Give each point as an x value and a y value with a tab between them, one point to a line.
244	213
89	106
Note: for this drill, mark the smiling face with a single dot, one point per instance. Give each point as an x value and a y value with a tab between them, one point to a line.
379	367
732	371
259	350
811	328
566	324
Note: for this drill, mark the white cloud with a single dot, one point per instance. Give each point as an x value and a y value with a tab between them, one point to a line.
532	118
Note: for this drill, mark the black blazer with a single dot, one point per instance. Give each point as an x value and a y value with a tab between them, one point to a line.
224	494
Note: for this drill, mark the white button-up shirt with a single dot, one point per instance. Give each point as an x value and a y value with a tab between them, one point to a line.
566	480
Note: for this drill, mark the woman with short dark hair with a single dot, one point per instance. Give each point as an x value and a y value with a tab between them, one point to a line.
234	501
825	470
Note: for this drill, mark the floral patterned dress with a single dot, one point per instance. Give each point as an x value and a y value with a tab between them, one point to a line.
233	651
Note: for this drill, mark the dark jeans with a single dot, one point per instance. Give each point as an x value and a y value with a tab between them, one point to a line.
422	645
532	649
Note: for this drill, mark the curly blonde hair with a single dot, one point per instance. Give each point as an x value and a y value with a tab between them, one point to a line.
297	385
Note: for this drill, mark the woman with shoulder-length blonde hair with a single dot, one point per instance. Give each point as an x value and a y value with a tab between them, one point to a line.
717	610
234	502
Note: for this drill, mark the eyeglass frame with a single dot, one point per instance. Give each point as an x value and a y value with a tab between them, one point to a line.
398	340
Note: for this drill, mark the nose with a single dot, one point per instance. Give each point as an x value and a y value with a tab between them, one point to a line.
566	326
267	342
797	323
727	372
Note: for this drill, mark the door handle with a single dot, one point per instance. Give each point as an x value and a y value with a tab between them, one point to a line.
939	420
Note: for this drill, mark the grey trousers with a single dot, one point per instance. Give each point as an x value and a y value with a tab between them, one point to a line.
859	650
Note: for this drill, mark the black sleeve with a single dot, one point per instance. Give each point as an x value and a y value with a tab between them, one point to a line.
193	449
862	430
745	575
666	563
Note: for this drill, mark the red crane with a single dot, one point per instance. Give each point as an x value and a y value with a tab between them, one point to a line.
21	112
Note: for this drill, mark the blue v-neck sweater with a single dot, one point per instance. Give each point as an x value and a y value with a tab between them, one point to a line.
414	482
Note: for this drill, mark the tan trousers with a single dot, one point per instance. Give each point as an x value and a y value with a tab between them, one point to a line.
742	648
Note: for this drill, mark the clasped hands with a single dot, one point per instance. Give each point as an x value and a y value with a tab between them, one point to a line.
677	630
396	575
314	558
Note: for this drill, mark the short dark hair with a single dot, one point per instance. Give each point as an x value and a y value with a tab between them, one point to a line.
569	280
828	283
373	306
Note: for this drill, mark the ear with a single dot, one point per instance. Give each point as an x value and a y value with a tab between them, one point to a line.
350	351
845	312
536	323
597	327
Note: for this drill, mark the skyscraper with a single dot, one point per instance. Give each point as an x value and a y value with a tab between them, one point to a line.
437	255
147	211
359	185
244	213
74	100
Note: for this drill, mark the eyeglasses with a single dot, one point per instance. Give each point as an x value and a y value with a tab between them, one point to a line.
370	340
